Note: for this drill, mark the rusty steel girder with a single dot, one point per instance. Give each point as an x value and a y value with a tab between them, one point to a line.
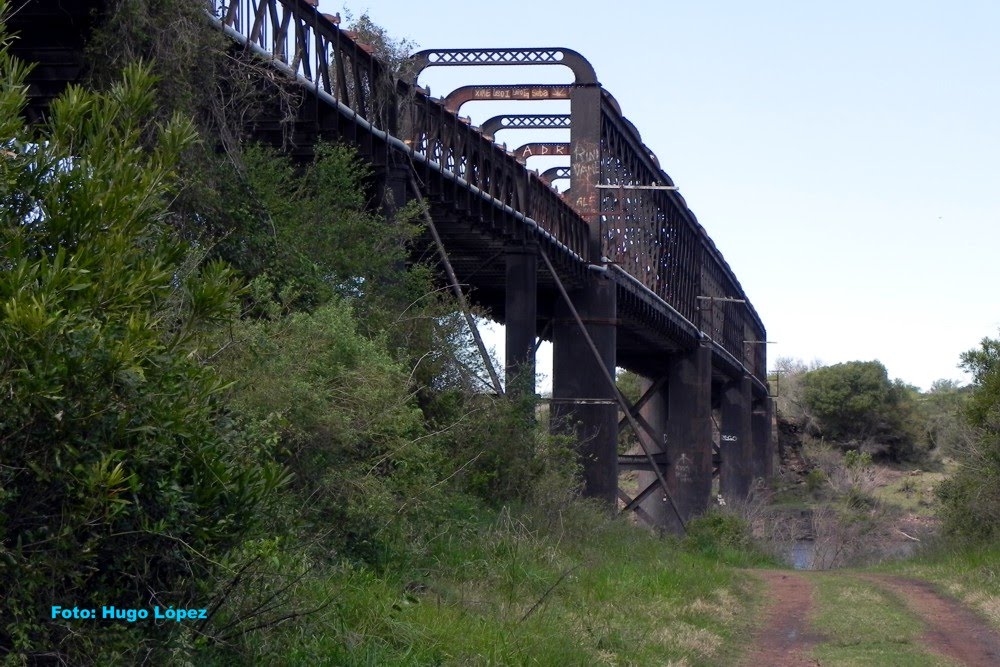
524	122
556	173
582	70
541	149
505	93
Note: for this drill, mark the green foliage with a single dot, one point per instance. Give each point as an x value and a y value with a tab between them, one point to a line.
942	411
856	401
121	479
816	479
303	232
855	460
971	497
346	423
984	365
724	536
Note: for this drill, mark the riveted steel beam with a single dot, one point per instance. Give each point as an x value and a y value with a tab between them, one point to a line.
541	149
524	122
582	70
555	173
507	93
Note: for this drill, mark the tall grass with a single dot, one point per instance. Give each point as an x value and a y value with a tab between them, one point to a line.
520	587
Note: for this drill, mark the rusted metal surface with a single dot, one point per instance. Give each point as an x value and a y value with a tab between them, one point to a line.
581	68
541	149
524	122
531	92
555	173
652	237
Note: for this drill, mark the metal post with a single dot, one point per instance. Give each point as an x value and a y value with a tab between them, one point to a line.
608	375
585	160
456	288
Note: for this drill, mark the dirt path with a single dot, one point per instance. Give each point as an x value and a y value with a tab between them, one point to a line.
952	630
784	639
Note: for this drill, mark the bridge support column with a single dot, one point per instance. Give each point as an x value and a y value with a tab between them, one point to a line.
654	414
393	181
689	433
763	442
521	319
736	446
583	403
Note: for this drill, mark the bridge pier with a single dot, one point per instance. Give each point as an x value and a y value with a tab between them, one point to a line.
654	413
393	182
763	442
521	309
583	403
736	444
689	433
679	416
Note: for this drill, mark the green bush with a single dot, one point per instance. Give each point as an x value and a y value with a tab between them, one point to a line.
724	536
971	497
121	481
816	480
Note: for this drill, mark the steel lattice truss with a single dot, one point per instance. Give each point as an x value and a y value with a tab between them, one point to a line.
493	56
525	122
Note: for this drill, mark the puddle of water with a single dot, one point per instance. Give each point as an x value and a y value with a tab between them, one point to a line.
803	554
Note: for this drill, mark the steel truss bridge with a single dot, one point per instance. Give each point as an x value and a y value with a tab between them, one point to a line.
616	271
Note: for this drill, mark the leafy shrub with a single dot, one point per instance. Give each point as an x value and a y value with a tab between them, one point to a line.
815	480
121	481
717	532
971	497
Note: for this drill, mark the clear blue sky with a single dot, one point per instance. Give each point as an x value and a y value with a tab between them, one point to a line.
844	156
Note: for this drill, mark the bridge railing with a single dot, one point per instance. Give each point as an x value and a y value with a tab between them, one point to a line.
443	137
310	44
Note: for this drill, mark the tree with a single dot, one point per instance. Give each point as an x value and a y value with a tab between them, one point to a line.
121	480
971	497
856	402
984	365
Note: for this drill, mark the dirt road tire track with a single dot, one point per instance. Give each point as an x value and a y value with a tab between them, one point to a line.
784	639
952	630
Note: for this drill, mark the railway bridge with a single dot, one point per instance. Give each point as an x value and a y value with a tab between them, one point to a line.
615	270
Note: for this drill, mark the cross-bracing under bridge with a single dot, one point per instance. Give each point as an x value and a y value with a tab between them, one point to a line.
615	271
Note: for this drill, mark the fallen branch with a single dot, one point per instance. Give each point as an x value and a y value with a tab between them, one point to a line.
546	593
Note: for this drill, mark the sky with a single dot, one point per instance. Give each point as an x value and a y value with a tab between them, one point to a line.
844	156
